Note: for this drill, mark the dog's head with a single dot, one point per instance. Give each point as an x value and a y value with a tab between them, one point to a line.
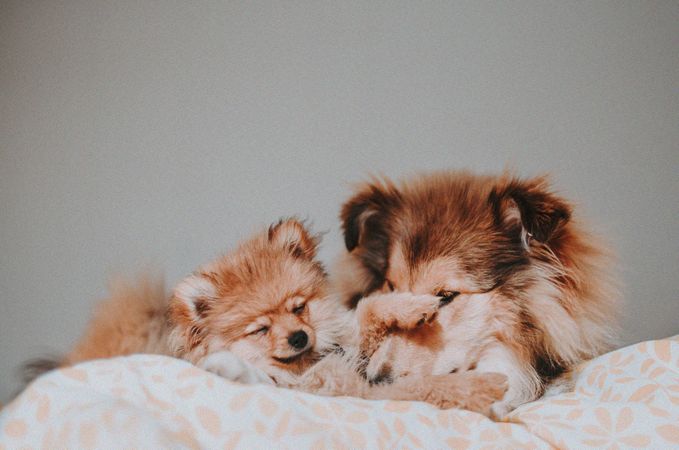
449	233
502	251
264	302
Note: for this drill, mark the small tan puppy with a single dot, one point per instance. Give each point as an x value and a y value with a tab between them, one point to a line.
263	313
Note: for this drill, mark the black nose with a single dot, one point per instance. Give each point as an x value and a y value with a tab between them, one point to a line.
298	339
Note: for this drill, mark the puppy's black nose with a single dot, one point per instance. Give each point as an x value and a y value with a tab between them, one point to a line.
298	339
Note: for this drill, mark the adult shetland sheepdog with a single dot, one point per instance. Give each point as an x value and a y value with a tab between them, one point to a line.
530	290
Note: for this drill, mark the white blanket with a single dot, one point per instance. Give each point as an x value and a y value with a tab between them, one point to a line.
625	399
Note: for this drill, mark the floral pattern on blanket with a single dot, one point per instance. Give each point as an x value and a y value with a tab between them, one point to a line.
628	398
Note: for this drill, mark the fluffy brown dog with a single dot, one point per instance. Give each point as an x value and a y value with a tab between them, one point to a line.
263	312
530	290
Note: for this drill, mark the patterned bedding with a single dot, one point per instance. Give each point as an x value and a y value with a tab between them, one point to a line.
628	398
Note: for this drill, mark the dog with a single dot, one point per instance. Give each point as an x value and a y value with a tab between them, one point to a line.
263	313
214	307
530	289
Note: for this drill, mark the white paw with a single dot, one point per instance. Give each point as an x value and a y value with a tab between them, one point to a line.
499	410
229	366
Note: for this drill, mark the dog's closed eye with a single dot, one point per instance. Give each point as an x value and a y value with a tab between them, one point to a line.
446	297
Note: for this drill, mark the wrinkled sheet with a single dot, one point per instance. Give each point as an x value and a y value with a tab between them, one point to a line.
628	398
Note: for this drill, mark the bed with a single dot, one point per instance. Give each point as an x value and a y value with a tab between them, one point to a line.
628	398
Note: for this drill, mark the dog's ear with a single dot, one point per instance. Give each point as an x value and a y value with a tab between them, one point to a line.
291	235
529	207
365	222
188	309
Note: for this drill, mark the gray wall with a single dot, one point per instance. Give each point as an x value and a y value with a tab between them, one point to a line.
136	134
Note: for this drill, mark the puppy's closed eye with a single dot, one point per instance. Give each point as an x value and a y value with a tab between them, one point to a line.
262	330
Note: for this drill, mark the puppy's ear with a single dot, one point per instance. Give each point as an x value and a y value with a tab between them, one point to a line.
292	235
529	207
189	306
365	222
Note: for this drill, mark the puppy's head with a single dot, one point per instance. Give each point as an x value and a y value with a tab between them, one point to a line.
264	302
502	251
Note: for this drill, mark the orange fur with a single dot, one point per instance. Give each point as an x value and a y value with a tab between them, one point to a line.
131	320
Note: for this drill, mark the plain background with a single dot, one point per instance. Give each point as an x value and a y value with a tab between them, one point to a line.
157	134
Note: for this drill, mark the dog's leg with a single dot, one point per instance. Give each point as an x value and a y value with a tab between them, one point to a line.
523	381
469	390
381	313
474	391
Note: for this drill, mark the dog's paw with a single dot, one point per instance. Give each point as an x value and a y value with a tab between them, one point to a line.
229	366
414	311
478	392
489	390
